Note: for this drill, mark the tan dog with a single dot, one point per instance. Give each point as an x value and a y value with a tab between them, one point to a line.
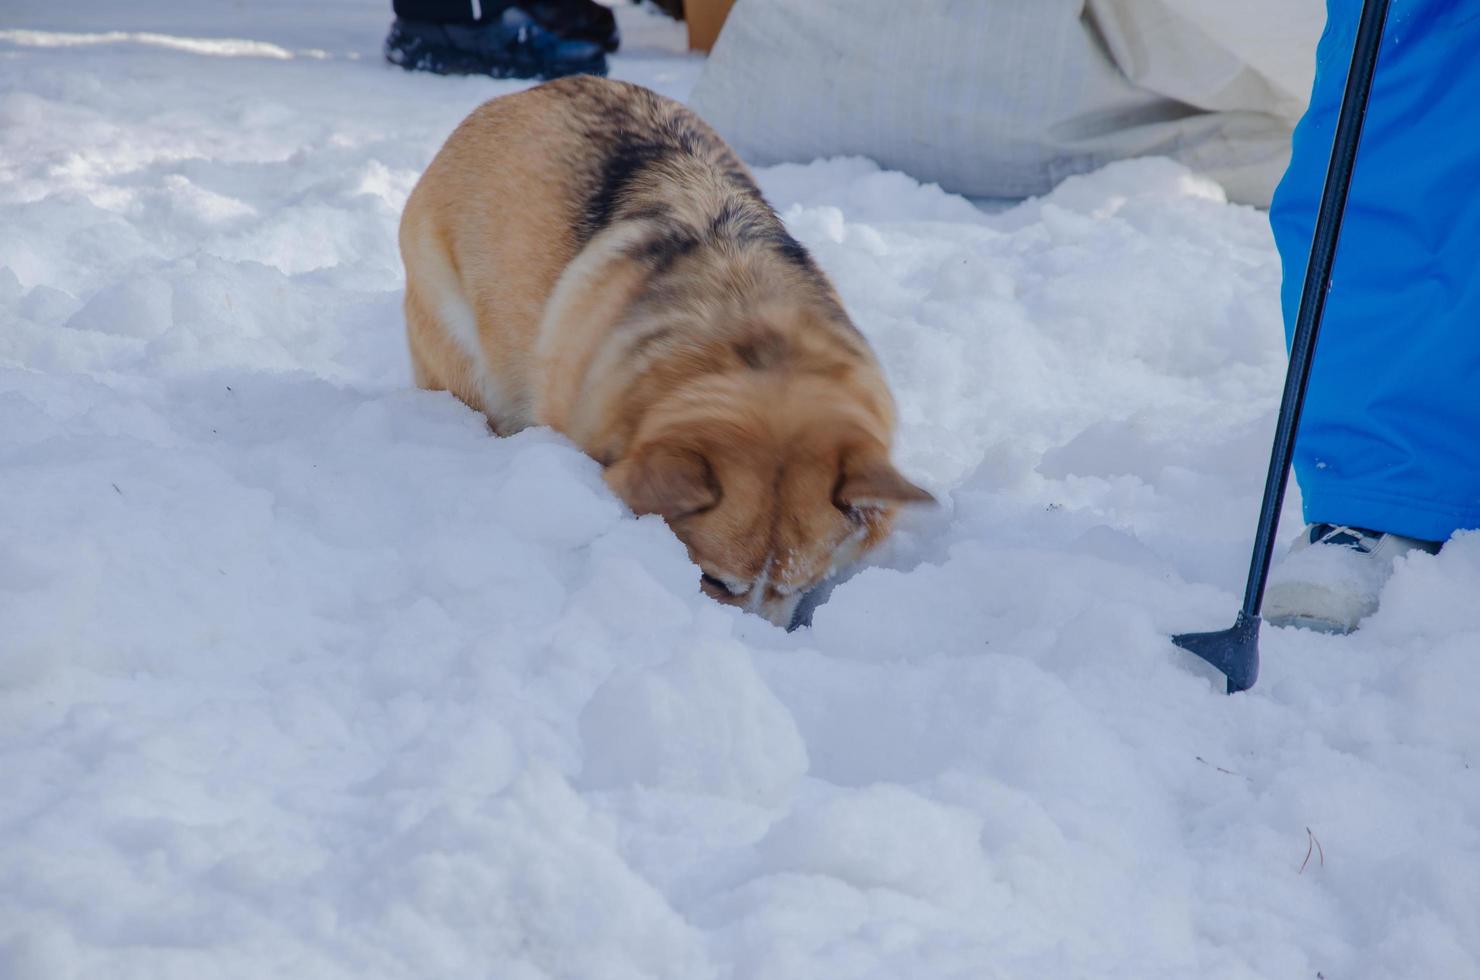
590	256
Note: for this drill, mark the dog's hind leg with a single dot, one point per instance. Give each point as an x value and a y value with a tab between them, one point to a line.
438	361
426	341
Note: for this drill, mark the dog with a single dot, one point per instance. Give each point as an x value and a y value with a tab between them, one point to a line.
590	256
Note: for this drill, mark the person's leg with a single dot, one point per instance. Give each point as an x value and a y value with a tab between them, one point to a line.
502	38
584	19
442	11
1390	435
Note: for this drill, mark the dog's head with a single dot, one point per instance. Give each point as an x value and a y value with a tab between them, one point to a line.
772	482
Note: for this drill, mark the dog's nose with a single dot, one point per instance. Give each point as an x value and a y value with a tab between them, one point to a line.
781	609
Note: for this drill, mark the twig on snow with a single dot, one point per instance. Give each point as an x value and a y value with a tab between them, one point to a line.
1312	843
1205	762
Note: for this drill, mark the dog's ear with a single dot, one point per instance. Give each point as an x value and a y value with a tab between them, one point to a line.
666	481
868	481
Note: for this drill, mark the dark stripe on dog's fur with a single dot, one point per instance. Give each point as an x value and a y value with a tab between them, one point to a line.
627	157
756	221
761	350
633	134
665	248
651	212
640	344
637	132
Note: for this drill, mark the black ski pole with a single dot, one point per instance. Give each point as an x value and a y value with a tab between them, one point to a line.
1235	651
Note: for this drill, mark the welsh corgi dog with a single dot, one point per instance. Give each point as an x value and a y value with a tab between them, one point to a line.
590	256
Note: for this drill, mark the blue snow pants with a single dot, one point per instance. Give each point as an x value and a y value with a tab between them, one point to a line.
1390	436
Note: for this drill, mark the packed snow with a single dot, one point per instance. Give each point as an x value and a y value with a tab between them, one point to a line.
303	673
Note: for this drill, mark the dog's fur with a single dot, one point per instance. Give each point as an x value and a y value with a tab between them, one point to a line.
591	256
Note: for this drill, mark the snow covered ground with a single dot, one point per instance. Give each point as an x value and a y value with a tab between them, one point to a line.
303	674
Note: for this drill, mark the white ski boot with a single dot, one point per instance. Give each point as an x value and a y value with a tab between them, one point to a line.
1331	577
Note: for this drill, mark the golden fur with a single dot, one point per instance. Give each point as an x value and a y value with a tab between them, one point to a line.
591	256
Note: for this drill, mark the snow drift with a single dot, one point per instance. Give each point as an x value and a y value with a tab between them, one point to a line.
303	673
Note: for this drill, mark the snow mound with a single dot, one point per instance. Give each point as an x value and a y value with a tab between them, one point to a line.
302	673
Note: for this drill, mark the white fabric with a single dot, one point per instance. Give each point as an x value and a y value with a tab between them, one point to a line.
1005	98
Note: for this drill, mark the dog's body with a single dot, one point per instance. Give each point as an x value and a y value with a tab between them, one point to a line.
591	256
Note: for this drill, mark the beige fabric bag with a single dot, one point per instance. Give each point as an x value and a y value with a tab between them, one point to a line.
1005	98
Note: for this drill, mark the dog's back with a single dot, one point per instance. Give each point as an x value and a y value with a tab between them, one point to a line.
592	256
529	180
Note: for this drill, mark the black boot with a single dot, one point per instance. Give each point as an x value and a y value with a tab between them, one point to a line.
511	43
583	19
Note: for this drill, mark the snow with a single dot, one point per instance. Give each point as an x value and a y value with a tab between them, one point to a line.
302	673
